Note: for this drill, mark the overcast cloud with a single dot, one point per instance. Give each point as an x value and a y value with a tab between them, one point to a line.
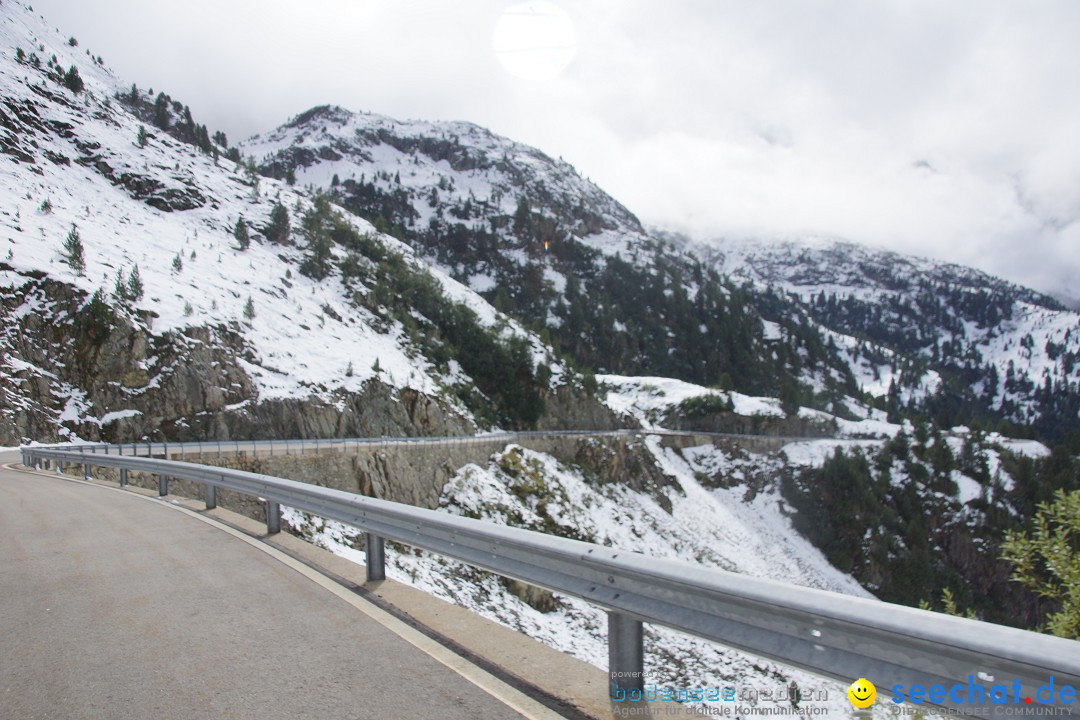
948	128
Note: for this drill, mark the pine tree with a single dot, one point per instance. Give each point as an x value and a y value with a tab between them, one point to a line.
278	230
161	111
317	224
177	263
134	285
46	206
249	309
142	136
1047	560
240	232
72	80
202	135
73	251
120	289
95	319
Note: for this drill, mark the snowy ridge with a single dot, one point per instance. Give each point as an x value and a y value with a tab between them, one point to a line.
833	264
1026	336
453	163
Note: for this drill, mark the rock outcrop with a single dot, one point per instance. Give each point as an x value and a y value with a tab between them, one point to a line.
76	366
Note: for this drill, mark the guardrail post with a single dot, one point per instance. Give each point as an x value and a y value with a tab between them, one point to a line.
162	485
626	656
375	561
273	518
123	477
210	496
86	471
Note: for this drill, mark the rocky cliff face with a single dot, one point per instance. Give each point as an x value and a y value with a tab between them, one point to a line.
569	408
67	356
417	473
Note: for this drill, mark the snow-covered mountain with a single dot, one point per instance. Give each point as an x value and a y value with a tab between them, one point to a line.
434	174
819	322
548	247
221	339
944	338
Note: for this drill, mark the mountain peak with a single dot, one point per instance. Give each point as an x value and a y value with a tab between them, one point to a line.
459	161
321	113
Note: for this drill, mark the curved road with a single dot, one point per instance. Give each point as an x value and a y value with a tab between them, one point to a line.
113	605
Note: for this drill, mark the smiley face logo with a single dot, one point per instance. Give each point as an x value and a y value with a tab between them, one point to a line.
862	693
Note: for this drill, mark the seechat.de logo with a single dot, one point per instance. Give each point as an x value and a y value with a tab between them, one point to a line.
975	693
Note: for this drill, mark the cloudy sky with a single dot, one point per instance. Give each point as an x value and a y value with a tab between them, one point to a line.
948	128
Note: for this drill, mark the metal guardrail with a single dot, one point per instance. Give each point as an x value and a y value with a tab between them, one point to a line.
827	633
301	446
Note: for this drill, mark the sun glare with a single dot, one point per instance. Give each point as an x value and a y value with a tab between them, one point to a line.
534	40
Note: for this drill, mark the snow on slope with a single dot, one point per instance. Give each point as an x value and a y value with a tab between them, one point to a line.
647	399
725	511
714	527
305	334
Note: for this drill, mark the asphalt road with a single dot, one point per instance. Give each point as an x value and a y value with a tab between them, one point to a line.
115	606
